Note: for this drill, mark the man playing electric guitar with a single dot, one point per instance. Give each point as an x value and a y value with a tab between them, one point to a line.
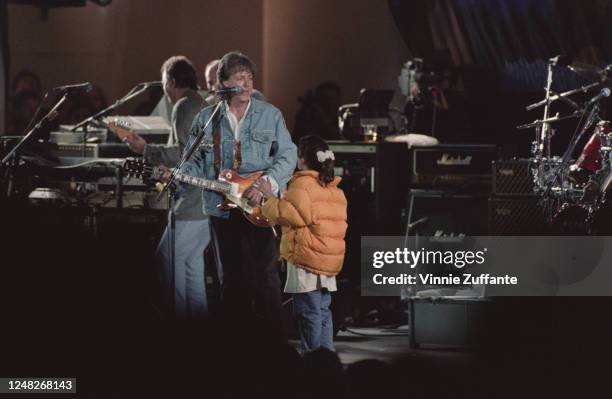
249	135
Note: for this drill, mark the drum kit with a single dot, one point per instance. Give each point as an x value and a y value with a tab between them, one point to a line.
575	194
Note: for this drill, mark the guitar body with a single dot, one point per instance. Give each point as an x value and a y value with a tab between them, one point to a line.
243	182
253	214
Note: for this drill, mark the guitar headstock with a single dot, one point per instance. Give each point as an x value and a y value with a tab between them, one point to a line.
136	167
121	127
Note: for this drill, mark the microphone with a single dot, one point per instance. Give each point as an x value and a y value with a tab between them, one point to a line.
155	83
229	90
80	86
605	92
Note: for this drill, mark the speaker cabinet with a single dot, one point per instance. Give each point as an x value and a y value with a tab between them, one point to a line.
441	213
512	177
518	216
448	322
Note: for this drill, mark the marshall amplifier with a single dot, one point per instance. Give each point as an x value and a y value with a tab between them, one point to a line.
512	177
453	165
440	213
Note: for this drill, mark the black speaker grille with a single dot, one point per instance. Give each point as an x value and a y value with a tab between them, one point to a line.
512	177
516	216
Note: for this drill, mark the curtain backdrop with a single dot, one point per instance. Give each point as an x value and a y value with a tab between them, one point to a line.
3	64
511	37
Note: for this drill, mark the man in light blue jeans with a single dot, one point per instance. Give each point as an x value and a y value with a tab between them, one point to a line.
191	238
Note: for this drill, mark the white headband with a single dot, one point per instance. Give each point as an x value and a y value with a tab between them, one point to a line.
324	155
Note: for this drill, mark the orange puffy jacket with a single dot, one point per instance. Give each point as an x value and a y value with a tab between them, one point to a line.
313	217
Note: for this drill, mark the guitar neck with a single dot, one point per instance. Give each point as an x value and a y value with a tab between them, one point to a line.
139	168
213	185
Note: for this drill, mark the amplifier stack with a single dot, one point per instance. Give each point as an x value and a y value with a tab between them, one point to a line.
378	178
514	208
449	185
424	191
449	189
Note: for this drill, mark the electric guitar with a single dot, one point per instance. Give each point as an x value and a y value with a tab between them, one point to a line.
230	184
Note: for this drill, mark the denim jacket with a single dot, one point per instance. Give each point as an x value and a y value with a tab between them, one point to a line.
265	146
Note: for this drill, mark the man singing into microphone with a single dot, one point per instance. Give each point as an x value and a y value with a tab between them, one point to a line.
249	135
192	232
212	83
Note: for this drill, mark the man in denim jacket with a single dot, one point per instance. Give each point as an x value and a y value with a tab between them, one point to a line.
252	137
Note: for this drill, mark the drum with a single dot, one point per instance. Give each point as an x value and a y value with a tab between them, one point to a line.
598	145
601	219
590	159
572	220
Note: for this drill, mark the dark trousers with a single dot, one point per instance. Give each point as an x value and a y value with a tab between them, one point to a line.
249	257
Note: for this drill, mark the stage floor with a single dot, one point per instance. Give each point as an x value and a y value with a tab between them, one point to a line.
388	345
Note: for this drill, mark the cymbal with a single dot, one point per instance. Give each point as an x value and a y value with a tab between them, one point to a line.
592	72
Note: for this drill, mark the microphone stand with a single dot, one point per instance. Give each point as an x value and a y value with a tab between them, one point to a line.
544	128
11	158
434	94
137	90
84	123
557	118
169	188
563	96
188	153
408	294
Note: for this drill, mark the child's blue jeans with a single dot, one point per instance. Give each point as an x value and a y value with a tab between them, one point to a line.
314	319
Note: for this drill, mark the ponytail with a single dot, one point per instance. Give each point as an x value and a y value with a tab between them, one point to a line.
317	155
326	171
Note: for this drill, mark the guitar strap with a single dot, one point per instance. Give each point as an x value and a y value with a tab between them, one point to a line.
217	148
217	145
237	155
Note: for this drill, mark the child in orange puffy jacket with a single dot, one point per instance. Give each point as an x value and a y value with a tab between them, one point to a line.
312	214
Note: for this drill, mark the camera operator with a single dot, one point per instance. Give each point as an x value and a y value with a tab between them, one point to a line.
435	105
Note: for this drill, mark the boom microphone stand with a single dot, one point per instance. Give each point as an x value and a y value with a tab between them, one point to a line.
10	159
136	91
